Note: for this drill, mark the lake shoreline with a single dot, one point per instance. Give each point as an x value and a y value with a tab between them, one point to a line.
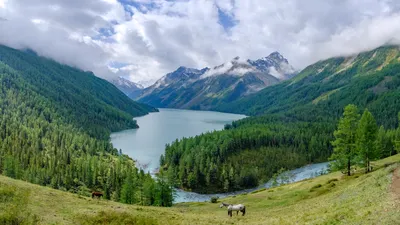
146	144
298	174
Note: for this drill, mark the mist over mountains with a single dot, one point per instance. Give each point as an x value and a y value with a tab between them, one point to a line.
191	88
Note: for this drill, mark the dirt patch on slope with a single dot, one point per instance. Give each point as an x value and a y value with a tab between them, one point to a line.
395	187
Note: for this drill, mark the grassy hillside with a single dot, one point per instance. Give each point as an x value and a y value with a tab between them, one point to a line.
330	199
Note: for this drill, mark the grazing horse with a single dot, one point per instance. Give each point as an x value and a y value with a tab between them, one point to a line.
238	208
97	194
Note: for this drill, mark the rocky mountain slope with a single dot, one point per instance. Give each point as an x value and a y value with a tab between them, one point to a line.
129	88
206	88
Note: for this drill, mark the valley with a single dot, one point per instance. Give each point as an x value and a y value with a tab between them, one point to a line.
185	112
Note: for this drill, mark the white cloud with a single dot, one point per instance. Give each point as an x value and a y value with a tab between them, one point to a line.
163	35
2	3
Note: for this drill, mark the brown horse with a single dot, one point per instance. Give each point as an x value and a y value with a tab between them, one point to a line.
97	194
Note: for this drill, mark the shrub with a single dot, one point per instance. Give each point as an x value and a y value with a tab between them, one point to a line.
332	180
13	210
214	199
315	187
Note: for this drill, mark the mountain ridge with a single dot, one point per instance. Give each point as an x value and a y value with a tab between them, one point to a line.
129	88
292	121
327	82
190	88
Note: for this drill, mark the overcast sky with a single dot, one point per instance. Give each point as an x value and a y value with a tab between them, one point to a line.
144	39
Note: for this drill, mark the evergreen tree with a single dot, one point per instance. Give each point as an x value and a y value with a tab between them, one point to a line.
366	139
148	191
128	190
344	144
164	192
383	143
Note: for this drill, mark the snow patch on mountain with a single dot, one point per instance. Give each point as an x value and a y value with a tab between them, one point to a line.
262	72
126	86
126	83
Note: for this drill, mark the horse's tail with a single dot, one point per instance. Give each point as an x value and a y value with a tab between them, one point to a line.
244	210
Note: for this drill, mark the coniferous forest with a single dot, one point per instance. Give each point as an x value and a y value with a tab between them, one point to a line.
56	122
54	131
293	124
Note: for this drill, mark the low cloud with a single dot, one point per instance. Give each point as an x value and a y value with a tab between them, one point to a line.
148	39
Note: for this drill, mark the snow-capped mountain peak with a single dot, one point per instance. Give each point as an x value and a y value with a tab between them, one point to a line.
277	56
275	64
180	75
200	89
127	83
126	86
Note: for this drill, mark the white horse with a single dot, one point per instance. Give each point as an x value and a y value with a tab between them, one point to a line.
238	208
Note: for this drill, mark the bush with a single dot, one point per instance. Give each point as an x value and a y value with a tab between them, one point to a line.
315	187
332	180
13	209
214	199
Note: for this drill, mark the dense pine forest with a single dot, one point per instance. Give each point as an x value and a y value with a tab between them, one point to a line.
54	131
293	123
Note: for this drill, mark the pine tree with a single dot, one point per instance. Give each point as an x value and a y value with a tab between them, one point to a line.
366	140
344	144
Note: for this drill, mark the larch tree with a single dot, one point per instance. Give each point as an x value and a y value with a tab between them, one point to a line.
344	145
366	140
383	143
128	190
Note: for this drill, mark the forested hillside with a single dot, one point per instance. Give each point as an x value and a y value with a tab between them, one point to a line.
81	98
54	130
321	91
294	123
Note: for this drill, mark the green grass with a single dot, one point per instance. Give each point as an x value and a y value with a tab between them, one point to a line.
329	199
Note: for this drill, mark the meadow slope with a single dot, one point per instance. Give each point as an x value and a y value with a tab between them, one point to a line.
372	198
